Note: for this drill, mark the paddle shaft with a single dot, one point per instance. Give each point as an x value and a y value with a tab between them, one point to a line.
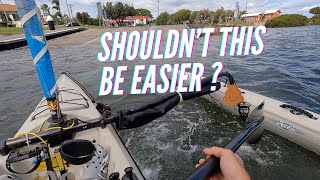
206	170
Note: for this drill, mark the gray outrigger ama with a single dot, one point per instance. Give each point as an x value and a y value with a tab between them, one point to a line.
293	123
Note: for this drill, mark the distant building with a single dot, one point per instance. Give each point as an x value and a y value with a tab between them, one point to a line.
253	17
9	11
131	21
140	20
270	14
261	17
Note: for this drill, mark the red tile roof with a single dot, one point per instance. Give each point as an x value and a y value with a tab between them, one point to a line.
137	17
8	7
141	17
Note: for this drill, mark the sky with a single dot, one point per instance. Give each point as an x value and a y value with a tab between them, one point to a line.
171	6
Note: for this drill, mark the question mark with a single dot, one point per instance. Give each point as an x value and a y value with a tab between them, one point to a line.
219	67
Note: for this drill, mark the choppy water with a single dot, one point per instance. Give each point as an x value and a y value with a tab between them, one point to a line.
168	148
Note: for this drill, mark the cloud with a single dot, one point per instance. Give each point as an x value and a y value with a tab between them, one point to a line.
250	4
306	8
287	6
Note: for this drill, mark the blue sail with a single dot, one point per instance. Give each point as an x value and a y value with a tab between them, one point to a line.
30	19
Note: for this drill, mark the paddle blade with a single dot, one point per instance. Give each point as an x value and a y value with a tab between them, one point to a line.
256	115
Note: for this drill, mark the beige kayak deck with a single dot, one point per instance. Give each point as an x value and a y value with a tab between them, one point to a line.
76	104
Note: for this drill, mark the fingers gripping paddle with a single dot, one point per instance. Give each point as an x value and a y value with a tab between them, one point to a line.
252	133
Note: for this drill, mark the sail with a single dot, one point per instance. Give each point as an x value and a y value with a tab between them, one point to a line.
30	19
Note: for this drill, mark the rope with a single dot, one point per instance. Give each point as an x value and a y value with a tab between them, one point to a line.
29	133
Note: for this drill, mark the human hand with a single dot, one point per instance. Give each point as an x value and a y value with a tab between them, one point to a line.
231	165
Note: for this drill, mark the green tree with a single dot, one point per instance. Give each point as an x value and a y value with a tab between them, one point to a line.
93	21
57	15
204	15
56	6
83	18
315	10
193	17
181	16
143	12
119	11
315	20
129	10
109	10
219	14
288	20
45	8
163	19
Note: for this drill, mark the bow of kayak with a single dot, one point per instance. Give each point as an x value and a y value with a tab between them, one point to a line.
76	104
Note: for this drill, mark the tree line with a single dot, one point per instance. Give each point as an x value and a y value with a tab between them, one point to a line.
84	18
202	16
115	11
316	15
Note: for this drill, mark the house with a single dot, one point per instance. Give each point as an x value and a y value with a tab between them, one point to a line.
261	17
131	21
253	17
270	14
9	15
140	20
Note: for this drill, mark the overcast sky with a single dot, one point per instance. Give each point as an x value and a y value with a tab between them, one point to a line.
287	6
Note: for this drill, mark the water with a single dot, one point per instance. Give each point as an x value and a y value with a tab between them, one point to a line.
169	147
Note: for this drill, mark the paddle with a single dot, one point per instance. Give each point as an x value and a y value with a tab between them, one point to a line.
124	119
252	133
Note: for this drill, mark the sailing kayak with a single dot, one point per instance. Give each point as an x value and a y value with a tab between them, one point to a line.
295	124
76	104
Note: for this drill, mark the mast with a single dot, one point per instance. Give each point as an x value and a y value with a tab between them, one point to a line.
70	5
246	10
69	13
158	8
30	20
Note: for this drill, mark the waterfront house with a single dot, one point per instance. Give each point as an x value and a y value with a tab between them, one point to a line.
270	14
261	17
9	15
253	17
140	20
131	21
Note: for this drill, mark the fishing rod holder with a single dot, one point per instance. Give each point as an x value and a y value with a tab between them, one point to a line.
41	153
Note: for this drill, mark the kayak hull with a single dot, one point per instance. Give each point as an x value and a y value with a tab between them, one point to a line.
76	104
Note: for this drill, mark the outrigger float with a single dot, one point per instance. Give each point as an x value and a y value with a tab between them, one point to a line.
293	123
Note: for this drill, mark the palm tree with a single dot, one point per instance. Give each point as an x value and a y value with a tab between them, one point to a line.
56	6
45	8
